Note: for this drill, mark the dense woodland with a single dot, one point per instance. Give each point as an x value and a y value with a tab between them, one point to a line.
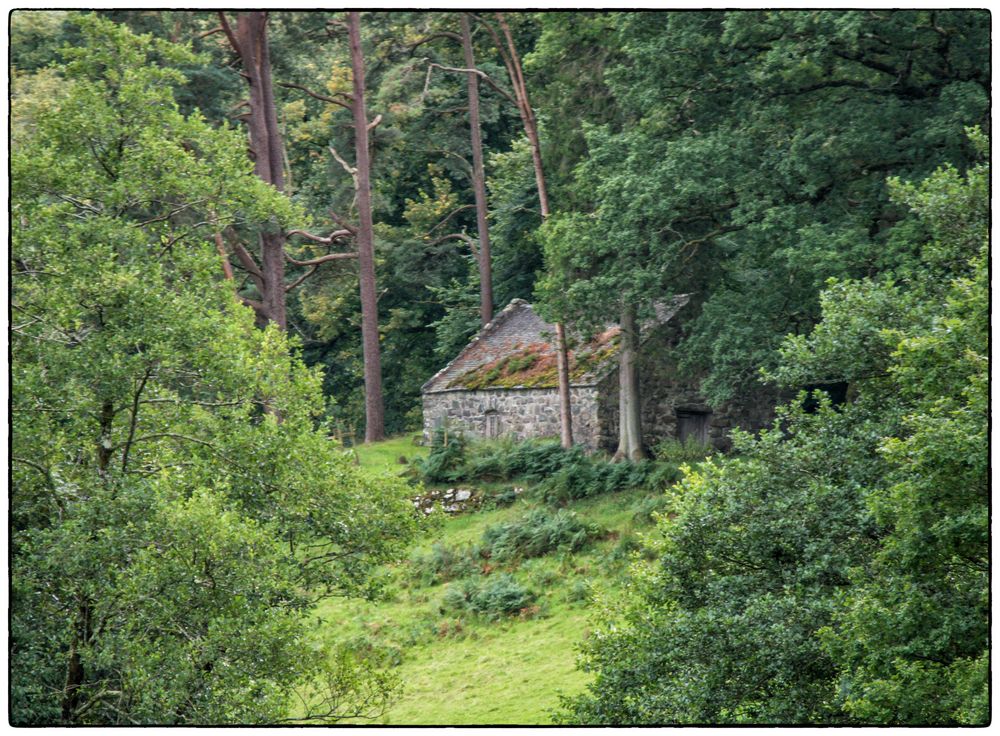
242	241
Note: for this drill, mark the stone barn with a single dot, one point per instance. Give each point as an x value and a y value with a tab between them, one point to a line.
503	383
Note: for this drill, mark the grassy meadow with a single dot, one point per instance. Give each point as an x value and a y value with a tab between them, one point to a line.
460	667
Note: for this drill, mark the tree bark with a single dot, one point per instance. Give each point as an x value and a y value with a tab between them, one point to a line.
629	409
562	370
374	408
249	41
104	446
516	73
75	673
478	179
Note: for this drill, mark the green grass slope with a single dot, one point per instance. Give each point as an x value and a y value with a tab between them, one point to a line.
464	668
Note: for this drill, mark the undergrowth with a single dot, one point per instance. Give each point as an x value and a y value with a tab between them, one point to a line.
537	533
492	598
561	474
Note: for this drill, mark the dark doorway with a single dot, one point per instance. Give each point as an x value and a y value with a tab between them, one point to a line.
692	424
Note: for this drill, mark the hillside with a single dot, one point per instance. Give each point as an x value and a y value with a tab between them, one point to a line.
463	668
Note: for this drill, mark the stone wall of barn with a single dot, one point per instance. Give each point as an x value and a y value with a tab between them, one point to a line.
512	412
668	400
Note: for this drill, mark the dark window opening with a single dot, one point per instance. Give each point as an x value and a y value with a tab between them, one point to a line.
694	425
836	391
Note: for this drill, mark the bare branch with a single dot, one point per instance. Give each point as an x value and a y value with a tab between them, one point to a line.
177	400
320	259
427	84
227	267
77	203
347	167
40	468
210	32
256	306
336	234
325	98
342	222
168	215
229	33
467	239
452	214
478	72
173	435
248	262
301	278
452	236
374	123
134	419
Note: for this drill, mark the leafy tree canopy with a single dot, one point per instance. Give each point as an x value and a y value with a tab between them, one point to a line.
836	569
175	507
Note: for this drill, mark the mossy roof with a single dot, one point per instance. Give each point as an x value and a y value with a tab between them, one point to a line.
517	350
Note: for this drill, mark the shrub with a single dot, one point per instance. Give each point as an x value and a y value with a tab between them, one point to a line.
499	499
645	509
663	475
537	533
563	474
531	460
591	477
443	563
500	595
443	463
579	592
626	549
672	450
368	649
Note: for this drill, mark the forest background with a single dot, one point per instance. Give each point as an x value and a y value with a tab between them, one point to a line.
769	163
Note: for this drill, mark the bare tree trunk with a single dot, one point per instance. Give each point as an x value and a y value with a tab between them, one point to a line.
629	410
562	370
220	246
249	41
374	408
516	73
478	179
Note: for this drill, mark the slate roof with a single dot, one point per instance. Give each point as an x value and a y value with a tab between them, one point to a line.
517	350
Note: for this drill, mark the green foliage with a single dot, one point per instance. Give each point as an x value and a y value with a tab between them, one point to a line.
460	300
176	508
754	159
443	563
500	499
591	477
444	462
561	475
912	638
674	451
493	598
531	460
836	569
753	189
539	532
36	36
723	626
